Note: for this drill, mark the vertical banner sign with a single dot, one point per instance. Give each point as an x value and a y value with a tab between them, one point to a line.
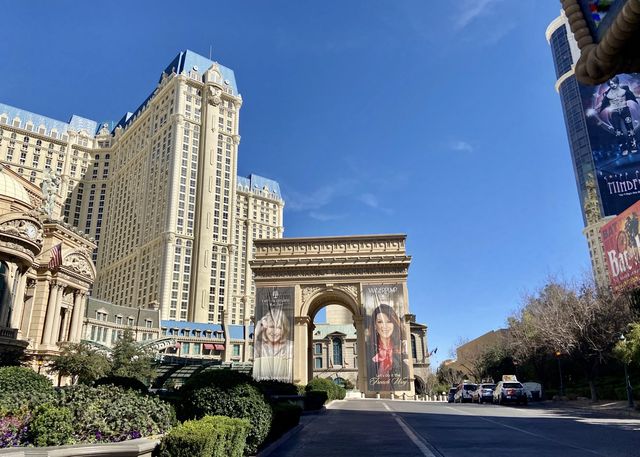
621	242
612	114
385	338
273	343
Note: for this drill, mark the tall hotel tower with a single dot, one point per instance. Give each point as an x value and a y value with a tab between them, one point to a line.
565	53
160	194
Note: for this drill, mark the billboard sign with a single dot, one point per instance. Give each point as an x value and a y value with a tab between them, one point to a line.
273	335
385	338
612	114
621	242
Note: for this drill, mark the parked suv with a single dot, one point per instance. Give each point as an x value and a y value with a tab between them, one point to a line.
483	393
452	394
509	392
463	394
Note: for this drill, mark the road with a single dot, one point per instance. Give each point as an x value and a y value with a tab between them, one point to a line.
397	428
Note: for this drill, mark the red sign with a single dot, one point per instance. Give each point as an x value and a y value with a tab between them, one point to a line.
621	242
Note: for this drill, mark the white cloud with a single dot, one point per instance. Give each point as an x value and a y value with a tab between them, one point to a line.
324	217
319	197
472	9
369	200
461	146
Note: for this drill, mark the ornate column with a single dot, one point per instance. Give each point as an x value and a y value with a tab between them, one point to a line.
55	334
76	317
18	301
358	322
27	312
64	333
50	315
301	350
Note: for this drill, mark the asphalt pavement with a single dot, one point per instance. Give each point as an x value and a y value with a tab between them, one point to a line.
407	428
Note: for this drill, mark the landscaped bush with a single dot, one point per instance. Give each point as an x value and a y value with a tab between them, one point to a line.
14	428
223	378
211	436
272	387
51	426
285	416
124	382
334	391
22	387
226	393
315	399
109	414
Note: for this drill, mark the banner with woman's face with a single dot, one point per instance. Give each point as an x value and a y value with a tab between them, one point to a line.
273	335
385	338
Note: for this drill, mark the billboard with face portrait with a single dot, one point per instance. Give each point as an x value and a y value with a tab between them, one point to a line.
621	243
613	122
273	335
385	338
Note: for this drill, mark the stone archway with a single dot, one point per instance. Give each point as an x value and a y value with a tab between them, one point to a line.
334	270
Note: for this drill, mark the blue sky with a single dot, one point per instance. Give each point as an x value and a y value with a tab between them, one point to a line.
437	119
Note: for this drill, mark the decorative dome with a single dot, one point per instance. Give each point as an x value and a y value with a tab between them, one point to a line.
13	189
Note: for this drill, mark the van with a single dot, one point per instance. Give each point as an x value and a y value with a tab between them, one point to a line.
464	391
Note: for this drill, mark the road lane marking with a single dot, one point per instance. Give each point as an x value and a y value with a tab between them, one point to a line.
406	428
527	432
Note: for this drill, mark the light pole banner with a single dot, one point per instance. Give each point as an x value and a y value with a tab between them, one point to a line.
385	338
273	336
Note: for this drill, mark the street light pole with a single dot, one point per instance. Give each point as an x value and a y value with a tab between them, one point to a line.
626	378
558	353
628	383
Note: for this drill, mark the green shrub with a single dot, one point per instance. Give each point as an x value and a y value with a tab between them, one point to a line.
243	401
301	388
22	387
315	399
271	387
212	436
334	391
222	378
124	382
51	426
110	414
285	416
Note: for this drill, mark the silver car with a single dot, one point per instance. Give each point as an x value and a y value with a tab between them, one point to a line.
484	393
509	392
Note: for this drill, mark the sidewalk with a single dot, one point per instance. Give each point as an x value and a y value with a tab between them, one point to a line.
618	409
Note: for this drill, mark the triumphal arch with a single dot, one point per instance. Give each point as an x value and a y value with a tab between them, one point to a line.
367	274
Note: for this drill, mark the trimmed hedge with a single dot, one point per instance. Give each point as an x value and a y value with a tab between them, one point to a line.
285	417
21	387
315	399
211	436
243	401
334	391
271	387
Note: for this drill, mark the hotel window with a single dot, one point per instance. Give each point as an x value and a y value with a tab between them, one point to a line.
318	362
318	348
337	351
236	350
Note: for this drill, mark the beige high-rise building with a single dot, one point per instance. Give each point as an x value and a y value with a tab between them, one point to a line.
160	194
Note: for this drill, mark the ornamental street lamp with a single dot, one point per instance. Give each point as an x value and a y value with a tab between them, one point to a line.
626	378
558	354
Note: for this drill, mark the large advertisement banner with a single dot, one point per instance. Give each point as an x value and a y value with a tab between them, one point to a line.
273	336
613	120
385	338
621	242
